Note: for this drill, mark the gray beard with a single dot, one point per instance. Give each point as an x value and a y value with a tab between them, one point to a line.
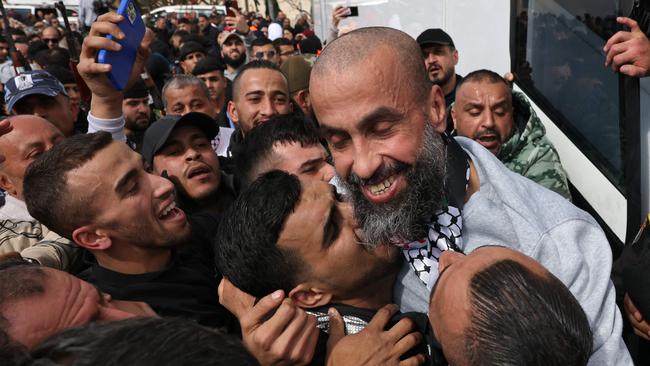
405	218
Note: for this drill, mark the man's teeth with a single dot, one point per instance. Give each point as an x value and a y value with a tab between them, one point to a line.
382	186
168	209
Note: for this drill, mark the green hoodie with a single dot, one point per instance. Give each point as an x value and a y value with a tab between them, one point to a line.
529	153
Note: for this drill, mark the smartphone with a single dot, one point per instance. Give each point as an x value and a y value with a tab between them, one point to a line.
122	61
354	11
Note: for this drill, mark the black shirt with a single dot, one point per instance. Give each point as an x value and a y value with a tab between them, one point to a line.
449	100
186	289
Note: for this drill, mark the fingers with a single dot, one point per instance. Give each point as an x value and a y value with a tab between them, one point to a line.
620	36
641	327
634	71
104	28
241	304
287	343
306	346
337	329
613	51
382	317
413	361
268	331
407	343
630	23
400	330
112	17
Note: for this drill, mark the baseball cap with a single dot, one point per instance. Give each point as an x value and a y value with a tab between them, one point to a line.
297	71
434	36
223	37
188	48
157	134
137	90
30	83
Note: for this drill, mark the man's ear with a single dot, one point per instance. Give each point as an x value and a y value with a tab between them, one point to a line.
91	238
453	116
232	112
437	109
7	184
454	56
306	296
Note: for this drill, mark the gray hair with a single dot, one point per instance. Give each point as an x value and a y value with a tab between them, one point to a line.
181	82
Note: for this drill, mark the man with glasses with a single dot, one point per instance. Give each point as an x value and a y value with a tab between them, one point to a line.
285	47
263	49
51	36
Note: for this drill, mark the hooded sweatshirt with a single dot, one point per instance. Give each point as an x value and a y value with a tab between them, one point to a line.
529	153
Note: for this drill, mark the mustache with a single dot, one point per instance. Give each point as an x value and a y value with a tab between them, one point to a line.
384	171
487	131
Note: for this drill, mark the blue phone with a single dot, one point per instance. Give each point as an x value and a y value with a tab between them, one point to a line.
122	61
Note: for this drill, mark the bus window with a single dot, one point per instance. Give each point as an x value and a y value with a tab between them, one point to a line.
559	59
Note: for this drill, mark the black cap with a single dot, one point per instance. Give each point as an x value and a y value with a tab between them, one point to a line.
188	48
138	90
434	36
157	134
206	65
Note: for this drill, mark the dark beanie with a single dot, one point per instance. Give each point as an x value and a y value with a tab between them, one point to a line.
188	48
206	65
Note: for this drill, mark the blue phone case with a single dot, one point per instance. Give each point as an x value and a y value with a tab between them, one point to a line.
122	61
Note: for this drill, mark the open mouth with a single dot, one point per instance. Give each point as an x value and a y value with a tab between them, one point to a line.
200	171
170	212
490	141
384	190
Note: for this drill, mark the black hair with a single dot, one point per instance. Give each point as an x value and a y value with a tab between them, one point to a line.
46	193
246	250
282	42
259	142
262	41
184	21
254	64
63	74
481	76
53	57
143	341
522	318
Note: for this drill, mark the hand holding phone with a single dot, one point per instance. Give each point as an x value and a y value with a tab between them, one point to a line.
122	60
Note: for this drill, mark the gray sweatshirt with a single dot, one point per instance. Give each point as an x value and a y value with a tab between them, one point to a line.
515	212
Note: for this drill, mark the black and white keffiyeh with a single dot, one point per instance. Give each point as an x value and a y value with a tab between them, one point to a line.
446	225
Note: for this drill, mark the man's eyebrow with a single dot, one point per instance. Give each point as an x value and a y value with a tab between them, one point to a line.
378	115
311	162
120	187
254	93
470	105
31	145
332	226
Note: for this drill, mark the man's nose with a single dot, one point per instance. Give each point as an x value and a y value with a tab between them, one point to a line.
365	162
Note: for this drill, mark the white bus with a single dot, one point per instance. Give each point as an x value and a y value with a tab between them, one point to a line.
598	123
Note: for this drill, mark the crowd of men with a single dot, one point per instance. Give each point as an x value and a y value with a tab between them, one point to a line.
257	197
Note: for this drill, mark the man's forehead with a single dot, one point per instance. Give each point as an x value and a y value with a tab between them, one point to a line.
475	89
255	79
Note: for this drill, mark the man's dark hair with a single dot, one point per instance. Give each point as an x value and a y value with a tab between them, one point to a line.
45	185
18	280
246	248
262	41
255	64
282	42
184	21
522	318
481	76
143	341
53	57
259	142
